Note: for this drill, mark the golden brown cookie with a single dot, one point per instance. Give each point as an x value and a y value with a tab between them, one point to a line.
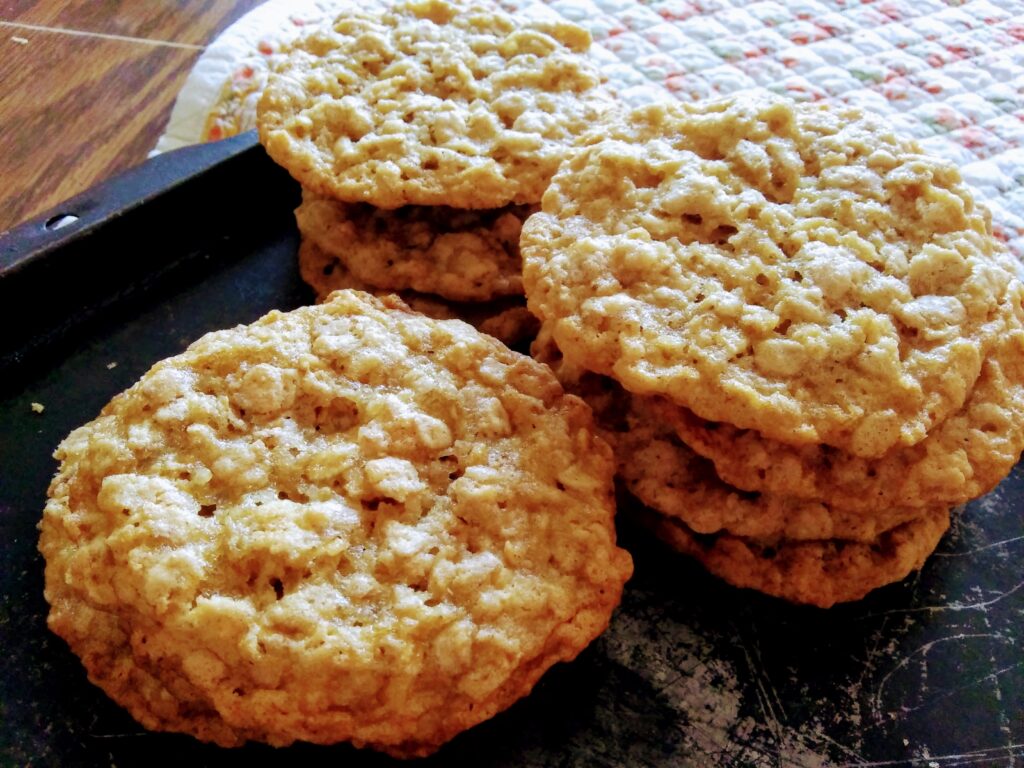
325	274
797	269
346	522
963	457
669	477
507	319
820	573
461	255
431	103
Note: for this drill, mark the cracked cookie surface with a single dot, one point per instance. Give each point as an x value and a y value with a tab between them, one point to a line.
345	522
796	269
431	103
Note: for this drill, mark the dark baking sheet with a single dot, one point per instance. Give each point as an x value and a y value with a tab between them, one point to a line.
929	672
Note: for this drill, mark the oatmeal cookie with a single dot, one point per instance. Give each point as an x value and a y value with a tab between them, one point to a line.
668	476
461	255
665	474
797	269
345	522
431	102
963	457
506	319
820	573
325	274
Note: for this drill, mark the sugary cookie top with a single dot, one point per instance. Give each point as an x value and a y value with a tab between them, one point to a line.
431	102
462	255
347	522
792	268
963	457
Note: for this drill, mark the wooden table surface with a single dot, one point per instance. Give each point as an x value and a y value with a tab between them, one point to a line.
86	88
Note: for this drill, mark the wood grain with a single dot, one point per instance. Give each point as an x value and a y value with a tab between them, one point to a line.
76	111
194	22
88	87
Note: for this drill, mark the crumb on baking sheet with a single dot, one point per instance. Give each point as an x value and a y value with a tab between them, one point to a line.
38	408
111	366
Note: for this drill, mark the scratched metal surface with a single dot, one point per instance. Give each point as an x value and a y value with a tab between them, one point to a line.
929	672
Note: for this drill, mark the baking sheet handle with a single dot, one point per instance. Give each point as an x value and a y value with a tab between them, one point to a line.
98	205
124	236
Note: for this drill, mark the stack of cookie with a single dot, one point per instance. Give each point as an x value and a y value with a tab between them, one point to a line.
423	136
797	331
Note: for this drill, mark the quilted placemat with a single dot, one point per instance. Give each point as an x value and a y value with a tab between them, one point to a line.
949	73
